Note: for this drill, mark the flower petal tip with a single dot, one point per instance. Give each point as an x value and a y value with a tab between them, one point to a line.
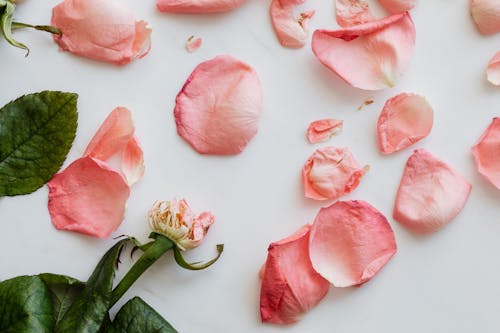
291	31
486	155
324	129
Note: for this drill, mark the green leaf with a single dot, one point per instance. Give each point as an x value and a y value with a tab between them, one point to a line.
6	26
90	309
136	316
36	133
199	265
25	306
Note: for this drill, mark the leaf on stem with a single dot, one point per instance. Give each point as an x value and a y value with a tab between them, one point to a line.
199	265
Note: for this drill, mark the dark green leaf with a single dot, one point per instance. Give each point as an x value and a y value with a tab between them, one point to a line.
36	133
89	310
138	317
25	306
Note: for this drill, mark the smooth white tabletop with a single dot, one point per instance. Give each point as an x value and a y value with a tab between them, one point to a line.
445	282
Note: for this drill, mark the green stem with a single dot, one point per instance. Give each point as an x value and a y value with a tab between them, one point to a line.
157	248
47	28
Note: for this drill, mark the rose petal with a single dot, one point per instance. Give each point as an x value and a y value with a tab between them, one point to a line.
217	110
193	44
398	6
487	153
291	31
404	120
486	15
290	286
322	130
330	173
493	70
430	194
100	30
88	197
352	12
133	161
114	134
369	56
197	6
350	242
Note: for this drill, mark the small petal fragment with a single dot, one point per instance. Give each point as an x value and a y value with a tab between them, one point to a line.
487	153
197	6
350	242
331	173
398	6
290	286
133	161
369	56
88	197
322	130
493	71
101	30
404	120
291	31
486	15
430	194
193	44
217	111
352	12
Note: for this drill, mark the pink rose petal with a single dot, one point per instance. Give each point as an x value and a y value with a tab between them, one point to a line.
330	173
486	15
197	6
101	30
218	108
487	153
430	194
290	286
404	120
291	31
398	6
322	130
193	44
493	70
369	56
133	161
350	242
352	12
88	197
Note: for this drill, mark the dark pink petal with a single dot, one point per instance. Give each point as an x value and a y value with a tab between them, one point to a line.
88	197
404	120
369	56
322	130
352	12
330	173
193	44
430	194
291	31
217	111
101	30
133	161
493	70
487	153
350	242
290	286
197	6
398	6
486	15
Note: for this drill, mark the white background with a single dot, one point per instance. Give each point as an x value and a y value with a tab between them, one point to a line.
445	282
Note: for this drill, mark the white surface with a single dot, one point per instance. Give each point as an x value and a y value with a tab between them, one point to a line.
446	282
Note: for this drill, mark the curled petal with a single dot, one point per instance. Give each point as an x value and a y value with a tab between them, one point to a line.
197	6
350	242
322	130
218	108
88	197
486	15
493	70
101	30
369	56
193	44
291	31
330	173
430	194
133	161
352	12
198	230
404	120
290	286
398	6
487	153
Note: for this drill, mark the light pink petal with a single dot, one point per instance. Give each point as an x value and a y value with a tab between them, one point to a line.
193	44
493	70
290	286
291	31
133	161
404	120
197	6
430	194
352	12
350	242
330	173
101	30
217	111
322	130
369	56
486	15
114	134
398	6
487	153
88	197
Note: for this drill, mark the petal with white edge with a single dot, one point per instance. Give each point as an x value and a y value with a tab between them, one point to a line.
133	161
291	31
493	70
487	153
